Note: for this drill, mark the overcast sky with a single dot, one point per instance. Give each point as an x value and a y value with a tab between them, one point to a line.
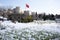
47	6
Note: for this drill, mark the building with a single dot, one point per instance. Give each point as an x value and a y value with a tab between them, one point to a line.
9	11
57	18
39	16
34	15
26	14
16	10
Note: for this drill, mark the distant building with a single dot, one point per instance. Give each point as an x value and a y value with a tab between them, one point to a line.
57	18
39	16
9	11
5	13
26	13
1	13
34	15
16	10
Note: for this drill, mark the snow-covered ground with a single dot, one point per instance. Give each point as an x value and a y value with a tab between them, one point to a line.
37	30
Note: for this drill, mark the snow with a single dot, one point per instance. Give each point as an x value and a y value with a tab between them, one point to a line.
34	26
30	31
1	17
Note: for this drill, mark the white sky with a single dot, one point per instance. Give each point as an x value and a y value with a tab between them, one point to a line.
47	6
